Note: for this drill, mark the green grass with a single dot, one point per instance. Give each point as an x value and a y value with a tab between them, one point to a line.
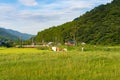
95	63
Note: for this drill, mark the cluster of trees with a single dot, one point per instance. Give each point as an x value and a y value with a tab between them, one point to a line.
6	43
101	25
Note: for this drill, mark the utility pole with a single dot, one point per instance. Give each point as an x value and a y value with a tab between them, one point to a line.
75	35
20	41
33	41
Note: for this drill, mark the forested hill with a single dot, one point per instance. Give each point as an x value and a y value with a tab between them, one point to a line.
101	25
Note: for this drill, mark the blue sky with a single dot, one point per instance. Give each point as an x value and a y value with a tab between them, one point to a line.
31	16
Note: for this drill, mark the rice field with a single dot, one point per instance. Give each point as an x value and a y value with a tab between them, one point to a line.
98	63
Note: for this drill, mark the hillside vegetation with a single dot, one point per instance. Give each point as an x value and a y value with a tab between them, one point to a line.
101	25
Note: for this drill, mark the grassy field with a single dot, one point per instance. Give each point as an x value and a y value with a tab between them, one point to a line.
95	63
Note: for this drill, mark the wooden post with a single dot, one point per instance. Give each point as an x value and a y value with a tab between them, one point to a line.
82	49
83	45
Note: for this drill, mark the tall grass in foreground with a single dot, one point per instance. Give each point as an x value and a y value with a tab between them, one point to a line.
31	64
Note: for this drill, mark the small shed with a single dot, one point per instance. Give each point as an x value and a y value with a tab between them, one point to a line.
70	43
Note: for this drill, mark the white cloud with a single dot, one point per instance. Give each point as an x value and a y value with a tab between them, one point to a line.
6	8
28	2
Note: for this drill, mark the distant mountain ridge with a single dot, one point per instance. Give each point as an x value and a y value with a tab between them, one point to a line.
13	35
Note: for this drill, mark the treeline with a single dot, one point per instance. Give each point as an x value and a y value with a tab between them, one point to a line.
101	25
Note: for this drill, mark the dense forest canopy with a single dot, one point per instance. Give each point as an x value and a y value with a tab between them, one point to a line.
101	25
